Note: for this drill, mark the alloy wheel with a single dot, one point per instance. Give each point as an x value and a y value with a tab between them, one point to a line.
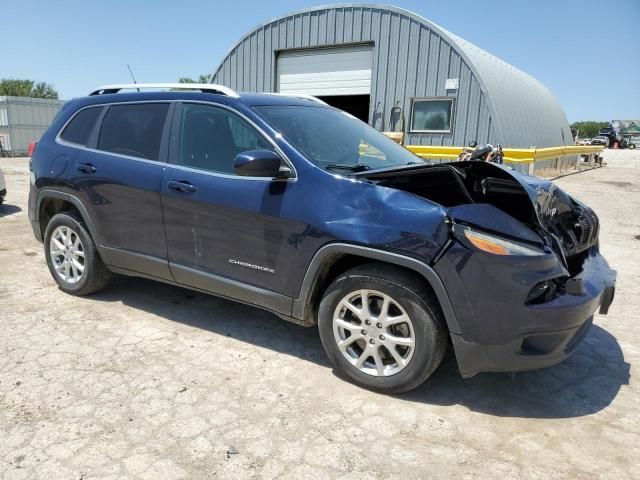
374	333
67	254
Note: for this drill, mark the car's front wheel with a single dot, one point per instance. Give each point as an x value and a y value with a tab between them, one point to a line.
382	328
72	257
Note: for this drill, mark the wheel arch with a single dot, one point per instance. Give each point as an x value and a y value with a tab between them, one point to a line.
327	257
59	202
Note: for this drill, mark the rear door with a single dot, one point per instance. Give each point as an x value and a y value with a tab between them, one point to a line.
118	177
225	233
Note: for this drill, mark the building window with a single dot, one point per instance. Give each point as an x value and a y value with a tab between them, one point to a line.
432	115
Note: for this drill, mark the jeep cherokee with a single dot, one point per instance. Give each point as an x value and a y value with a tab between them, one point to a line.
287	204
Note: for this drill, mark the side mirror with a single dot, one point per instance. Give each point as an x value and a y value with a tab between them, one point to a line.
260	163
473	144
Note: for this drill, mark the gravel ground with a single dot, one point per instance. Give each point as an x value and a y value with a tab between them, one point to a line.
146	380
622	158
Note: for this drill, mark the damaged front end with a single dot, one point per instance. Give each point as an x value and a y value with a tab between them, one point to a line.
522	268
499	200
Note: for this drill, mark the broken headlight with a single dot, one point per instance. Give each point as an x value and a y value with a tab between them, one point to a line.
498	245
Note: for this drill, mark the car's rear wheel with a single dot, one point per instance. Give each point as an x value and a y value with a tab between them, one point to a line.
72	257
382	328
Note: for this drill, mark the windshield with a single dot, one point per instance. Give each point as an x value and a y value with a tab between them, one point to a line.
336	140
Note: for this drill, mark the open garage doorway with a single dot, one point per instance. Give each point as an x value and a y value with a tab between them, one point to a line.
340	76
356	105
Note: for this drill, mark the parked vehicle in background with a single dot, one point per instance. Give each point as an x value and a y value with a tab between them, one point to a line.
3	187
584	141
600	140
291	205
606	132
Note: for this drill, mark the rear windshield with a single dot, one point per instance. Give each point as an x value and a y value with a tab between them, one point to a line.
334	139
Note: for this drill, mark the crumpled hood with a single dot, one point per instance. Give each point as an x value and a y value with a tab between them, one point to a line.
573	224
501	199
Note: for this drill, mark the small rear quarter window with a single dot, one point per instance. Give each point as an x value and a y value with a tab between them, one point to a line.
81	125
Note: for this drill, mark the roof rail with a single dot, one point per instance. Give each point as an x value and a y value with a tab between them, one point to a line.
304	96
203	87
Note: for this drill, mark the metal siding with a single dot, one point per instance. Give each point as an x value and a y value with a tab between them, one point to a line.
26	120
251	78
383	65
305	30
340	26
297	30
331	27
433	60
526	113
367	24
412	57
357	24
269	57
392	65
462	97
412	31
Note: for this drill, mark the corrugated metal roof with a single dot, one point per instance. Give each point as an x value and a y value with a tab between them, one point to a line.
523	108
413	57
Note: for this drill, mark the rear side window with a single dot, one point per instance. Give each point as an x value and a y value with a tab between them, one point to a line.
134	129
81	125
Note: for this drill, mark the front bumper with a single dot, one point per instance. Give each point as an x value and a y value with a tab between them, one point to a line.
499	331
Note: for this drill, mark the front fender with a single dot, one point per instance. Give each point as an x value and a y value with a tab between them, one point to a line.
324	257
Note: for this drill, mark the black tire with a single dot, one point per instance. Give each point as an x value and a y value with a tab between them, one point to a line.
95	275
631	146
409	291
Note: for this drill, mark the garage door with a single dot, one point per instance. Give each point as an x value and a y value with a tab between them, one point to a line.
326	71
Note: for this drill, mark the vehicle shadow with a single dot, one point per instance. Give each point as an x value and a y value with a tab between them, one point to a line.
7	209
584	384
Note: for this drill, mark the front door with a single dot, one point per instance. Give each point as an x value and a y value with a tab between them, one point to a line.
225	233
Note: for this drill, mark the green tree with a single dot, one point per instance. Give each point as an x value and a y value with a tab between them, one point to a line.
201	79
589	129
27	88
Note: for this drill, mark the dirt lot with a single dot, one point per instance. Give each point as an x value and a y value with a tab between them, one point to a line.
150	381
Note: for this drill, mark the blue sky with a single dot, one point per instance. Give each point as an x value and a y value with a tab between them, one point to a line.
566	44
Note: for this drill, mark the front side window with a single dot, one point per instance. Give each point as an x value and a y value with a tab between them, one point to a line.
134	130
211	137
431	115
81	125
334	139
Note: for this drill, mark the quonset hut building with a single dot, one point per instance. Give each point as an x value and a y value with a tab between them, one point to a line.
399	72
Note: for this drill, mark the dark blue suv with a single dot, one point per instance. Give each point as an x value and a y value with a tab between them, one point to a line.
290	205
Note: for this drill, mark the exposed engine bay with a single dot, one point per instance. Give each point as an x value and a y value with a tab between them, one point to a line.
468	188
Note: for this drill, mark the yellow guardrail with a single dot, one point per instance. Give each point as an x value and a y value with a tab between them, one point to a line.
513	155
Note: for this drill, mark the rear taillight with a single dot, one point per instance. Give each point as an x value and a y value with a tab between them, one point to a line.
32	148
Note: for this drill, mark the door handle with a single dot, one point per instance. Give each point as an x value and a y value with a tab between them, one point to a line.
181	186
86	168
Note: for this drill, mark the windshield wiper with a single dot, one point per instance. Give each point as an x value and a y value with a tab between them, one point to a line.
358	167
